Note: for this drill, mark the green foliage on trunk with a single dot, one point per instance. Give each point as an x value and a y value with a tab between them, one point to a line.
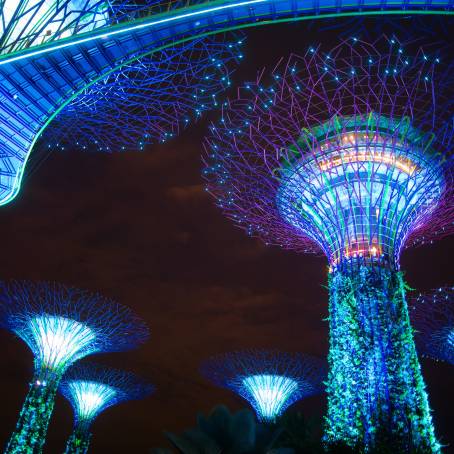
376	393
31	428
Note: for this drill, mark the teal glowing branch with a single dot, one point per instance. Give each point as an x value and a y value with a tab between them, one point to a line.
59	340
91	389
60	325
270	381
270	393
79	44
90	397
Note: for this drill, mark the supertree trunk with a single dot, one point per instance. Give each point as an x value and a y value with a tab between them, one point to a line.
79	441
376	393
31	428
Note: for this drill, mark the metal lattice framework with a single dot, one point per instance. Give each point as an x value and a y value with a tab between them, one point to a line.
270	381
348	152
111	385
91	389
432	316
27	23
121	98
150	100
60	325
147	100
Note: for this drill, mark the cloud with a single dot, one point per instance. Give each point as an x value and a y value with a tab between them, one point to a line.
190	193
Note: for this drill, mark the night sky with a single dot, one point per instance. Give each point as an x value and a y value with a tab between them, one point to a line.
139	228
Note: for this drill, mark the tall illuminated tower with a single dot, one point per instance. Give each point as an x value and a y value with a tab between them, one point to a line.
60	325
270	381
432	317
91	389
348	152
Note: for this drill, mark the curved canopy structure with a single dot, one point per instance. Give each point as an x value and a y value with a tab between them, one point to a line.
269	380
349	151
41	75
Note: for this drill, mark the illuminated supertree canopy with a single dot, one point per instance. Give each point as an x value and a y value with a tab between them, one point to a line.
270	381
348	152
91	388
432	316
60	325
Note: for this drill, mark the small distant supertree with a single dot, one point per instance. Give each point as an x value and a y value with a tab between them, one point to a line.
270	381
122	98
60	325
432	316
90	389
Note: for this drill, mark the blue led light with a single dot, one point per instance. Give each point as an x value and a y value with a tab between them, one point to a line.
354	169
60	325
90	389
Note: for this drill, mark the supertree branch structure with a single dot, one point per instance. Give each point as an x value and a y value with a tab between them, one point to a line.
90	389
150	100
347	152
432	317
60	325
270	381
52	51
112	96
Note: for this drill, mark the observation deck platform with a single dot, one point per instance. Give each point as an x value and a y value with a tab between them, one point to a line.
38	82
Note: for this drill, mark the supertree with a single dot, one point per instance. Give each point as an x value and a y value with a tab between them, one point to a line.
90	389
60	325
347	153
269	380
432	316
